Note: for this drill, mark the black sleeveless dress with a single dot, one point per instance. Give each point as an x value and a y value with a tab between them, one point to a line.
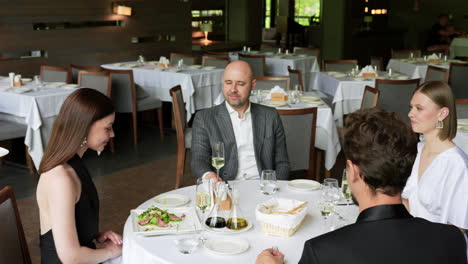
86	215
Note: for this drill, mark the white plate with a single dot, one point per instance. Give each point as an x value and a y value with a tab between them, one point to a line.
463	129
26	80
55	84
227	245
70	86
170	200
310	98
462	122
227	231
209	68
274	103
3	152
195	66
339	75
304	185
188	225
173	70
402	78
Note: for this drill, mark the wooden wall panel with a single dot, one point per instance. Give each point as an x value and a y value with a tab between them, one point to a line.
151	19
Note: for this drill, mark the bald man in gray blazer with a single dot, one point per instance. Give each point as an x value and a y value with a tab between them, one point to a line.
252	134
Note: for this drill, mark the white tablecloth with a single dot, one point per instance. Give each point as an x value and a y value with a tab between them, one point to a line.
161	249
461	139
326	136
346	92
458	47
200	88
414	70
279	66
37	110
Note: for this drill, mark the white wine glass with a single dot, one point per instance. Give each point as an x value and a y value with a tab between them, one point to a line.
326	204
203	193
217	156
345	190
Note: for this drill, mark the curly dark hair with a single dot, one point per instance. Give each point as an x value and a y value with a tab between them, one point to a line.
382	146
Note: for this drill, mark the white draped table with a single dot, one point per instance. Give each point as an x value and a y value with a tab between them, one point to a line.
36	109
201	88
161	249
415	69
278	66
461	139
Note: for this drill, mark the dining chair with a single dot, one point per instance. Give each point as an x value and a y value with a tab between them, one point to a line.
13	246
295	78
377	61
100	81
299	130
435	74
76	68
339	65
189	59
395	95
370	97
126	100
457	75
265	47
215	61
55	74
307	51
256	62
405	53
461	105
184	133
268	82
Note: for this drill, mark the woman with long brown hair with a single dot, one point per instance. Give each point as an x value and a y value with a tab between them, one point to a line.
66	195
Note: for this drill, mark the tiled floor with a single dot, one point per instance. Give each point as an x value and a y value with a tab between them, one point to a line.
124	179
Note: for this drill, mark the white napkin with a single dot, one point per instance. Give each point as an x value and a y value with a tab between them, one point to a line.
367	69
433	56
180	63
164	60
275	89
17	78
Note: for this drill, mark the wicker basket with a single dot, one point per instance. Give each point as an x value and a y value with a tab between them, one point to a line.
284	225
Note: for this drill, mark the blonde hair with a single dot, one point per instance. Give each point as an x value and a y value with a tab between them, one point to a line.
441	94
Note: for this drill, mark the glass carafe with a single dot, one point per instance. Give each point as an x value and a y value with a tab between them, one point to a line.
217	216
236	219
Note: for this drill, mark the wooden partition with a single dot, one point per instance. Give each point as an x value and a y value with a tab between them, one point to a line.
77	32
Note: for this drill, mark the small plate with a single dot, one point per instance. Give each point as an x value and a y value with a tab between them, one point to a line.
339	75
209	67
227	231
310	98
195	66
227	245
274	103
463	129
462	122
170	200
26	80
402	78
304	185
173	70
70	86
302	55
3	152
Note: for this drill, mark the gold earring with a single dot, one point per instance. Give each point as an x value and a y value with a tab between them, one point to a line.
440	124
85	141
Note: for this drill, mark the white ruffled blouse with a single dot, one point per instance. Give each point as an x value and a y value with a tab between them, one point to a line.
441	195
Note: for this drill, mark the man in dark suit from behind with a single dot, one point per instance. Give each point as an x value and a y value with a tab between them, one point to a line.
380	150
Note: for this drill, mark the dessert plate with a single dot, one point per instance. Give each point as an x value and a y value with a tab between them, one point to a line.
170	200
227	245
303	185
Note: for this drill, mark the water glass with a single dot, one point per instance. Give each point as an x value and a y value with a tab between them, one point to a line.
268	182
187	244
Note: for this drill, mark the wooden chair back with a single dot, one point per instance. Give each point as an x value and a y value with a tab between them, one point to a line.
299	128
13	248
295	77
370	97
100	81
339	65
405	53
189	59
76	68
215	61
55	74
268	82
180	124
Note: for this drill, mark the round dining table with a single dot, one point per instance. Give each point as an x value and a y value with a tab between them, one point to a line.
161	249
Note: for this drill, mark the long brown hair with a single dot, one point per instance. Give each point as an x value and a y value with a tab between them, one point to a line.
79	111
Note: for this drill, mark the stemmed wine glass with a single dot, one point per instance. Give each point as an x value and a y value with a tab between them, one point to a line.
217	156
204	199
345	190
326	204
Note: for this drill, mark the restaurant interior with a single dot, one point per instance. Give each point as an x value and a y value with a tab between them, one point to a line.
337	47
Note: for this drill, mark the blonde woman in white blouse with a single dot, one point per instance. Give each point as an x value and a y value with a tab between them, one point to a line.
437	189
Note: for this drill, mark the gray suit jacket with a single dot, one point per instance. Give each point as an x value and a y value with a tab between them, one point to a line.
214	125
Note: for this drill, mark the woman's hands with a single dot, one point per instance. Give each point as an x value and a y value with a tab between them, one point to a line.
113	243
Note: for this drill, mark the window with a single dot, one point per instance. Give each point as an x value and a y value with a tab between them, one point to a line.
267	13
307	12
